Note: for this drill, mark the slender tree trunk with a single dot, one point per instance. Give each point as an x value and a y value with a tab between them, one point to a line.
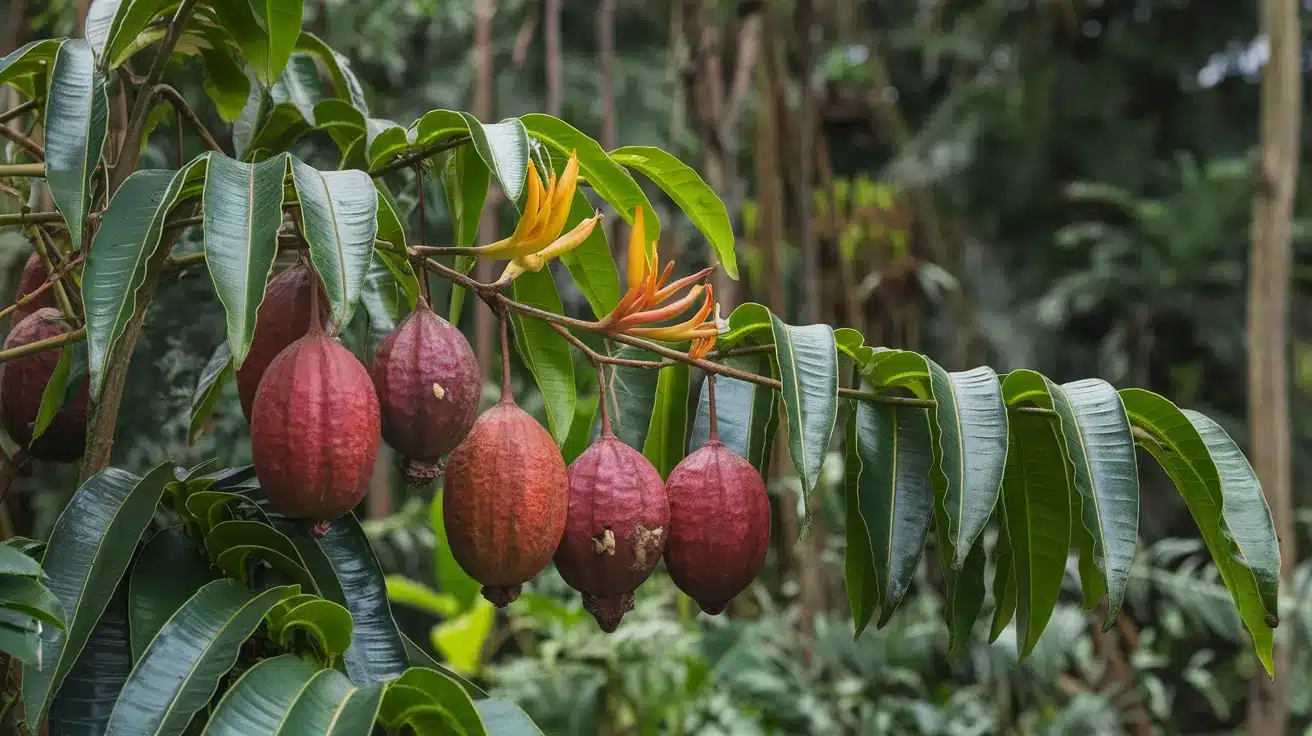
551	40
1268	318
484	327
606	67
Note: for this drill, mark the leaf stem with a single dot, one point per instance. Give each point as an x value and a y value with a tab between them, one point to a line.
181	107
710	401
504	322
423	226
45	250
34	171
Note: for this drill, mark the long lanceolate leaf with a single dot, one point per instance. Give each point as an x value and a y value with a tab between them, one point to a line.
289	695
1106	475
808	369
970	426
169	570
126	243
631	396
1036	510
1225	499
340	213
76	117
504	148
90	548
28	66
87	695
112	26
545	352
666	435
859	573
180	670
747	415
243	210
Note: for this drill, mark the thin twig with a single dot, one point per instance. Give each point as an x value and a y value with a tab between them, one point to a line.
31	171
46	250
11	114
31	218
50	343
428	151
180	105
23	142
32	295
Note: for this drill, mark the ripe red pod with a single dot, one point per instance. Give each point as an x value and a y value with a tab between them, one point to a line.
616	527
315	429
283	318
504	502
429	384
34	275
22	384
719	522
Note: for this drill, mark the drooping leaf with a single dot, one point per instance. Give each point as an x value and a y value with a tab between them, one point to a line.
465	179
339	68
62	387
90	548
580	430
1036	509
87	695
327	623
112	25
28	598
965	593
747	415
232	545
347	571
267	31
859	574
124	247
748	320
970	428
606	177
261	700
180	669
77	113
896	499
340	211
503	147
1106	474
504	718
14	561
545	352
848	341
418	688
213	377
243	211
386	297
808	368
169	570
332	706
667	433
1224	498
1004	589
692	195
27	68
226	82
590	264
631	396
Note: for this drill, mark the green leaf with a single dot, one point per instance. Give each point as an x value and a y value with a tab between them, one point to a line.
14	561
463	264
218	371
668	431
1036	509
1106	474
464	184
808	368
339	68
226	82
112	25
438	125
332	706
462	639
262	698
328	623
970	428
28	597
387	298
86	698
860	577
1004	589
55	395
544	351
848	341
503	147
450	576
169	570
747	414
233	544
747	320
1225	499
28	67
580	430
424	687
504	718
896	499
692	195
608	179
91	546
340	216
590	264
965	593
243	210
267	36
180	669
77	113
384	141
420	658
344	124
631	396
347	571
124	247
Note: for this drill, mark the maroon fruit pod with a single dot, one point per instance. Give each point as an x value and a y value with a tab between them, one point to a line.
616	527
315	429
34	275
283	318
719	523
429	383
22	383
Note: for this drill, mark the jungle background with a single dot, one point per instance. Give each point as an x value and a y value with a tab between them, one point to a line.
1063	185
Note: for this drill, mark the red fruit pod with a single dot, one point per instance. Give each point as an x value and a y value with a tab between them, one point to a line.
315	430
615	530
719	523
22	383
34	275
283	318
429	384
504	502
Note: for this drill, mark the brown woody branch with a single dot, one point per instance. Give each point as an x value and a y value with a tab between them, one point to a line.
17	111
31	218
40	346
426	152
180	105
32	295
25	143
31	171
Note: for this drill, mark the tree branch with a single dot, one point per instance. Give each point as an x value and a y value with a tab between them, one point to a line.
31	218
180	105
32	295
428	151
25	143
46	250
40	346
11	114
33	171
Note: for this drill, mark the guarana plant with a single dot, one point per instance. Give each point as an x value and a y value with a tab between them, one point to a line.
225	614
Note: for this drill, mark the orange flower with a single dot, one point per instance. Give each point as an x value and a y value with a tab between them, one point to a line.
545	212
641	303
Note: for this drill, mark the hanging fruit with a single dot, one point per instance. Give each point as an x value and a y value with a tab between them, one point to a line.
23	382
315	427
283	318
719	522
616	526
504	501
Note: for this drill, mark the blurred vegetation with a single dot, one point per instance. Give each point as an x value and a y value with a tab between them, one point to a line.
1063	185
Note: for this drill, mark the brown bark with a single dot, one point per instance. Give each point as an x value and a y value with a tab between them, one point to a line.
606	68
551	40
484	325
1268	317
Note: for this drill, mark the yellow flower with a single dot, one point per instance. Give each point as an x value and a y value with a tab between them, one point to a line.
543	218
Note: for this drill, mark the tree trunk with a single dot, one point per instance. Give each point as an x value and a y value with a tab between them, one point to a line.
551	40
606	67
1268	318
484	327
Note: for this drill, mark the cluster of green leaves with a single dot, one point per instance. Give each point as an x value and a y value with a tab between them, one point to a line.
233	618
26	604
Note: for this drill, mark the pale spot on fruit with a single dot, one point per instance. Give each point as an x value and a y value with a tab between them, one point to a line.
647	545
438	391
605	545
